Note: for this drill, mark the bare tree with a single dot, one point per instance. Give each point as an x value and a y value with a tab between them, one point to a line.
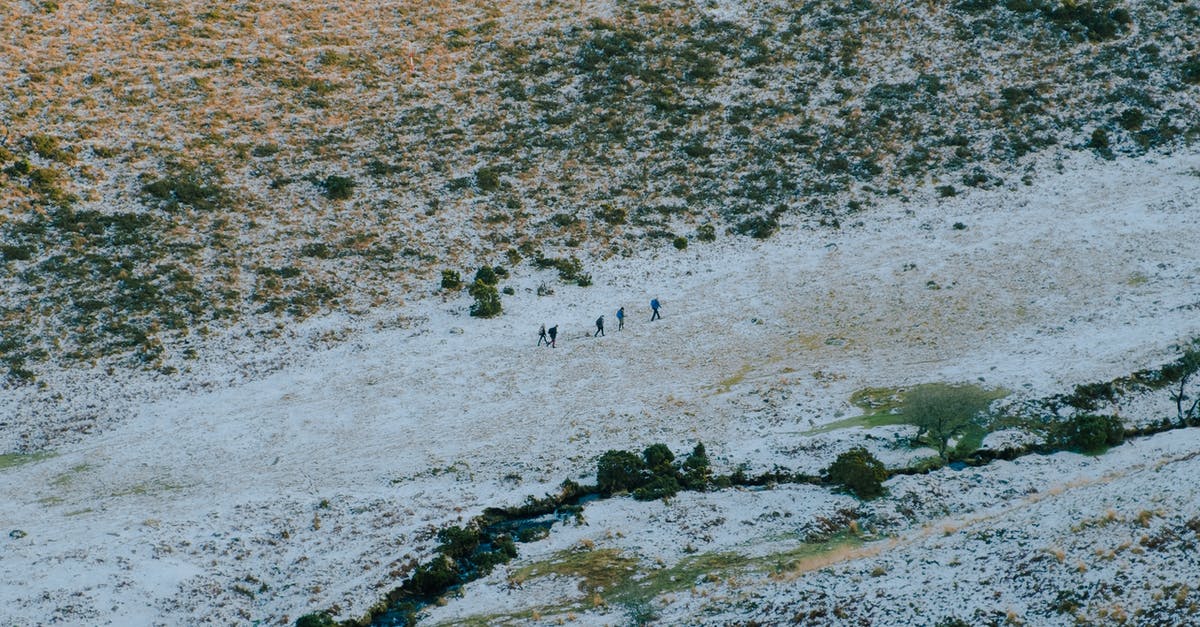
1180	374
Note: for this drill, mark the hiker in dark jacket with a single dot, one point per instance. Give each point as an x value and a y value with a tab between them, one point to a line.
599	326
654	305
553	334
620	318
542	336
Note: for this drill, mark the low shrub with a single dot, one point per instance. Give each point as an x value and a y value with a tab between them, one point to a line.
434	576
1190	70
611	215
188	187
338	187
680	242
1091	433
488	179
15	253
758	227
618	471
660	487
706	233
568	269
458	542
316	619
487	275
696	471
859	472
451	280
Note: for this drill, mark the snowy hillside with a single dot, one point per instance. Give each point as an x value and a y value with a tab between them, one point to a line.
240	383
314	487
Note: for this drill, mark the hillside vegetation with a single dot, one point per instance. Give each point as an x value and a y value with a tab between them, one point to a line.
175	169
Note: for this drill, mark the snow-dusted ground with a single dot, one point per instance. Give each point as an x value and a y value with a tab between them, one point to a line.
264	498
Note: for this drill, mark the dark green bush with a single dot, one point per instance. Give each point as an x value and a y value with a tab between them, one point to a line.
618	471
458	542
320	250
568	269
658	458
1190	71
706	233
434	576
451	280
680	242
859	472
316	619
611	215
487	275
1091	433
1100	143
659	487
487	300
1131	119
338	187
1088	395
186	187
15	253
696	472
488	179
758	227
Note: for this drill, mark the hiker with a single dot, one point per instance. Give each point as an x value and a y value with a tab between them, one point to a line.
542	336
654	305
620	318
553	335
599	326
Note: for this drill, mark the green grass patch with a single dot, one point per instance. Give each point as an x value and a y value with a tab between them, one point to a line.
12	460
596	570
607	577
65	479
150	487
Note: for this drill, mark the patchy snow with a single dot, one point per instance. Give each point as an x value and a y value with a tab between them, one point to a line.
311	479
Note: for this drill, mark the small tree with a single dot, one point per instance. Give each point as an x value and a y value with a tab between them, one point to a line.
858	471
1180	372
943	412
487	300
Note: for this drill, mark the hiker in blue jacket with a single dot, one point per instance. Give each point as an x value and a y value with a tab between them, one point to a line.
654	305
620	318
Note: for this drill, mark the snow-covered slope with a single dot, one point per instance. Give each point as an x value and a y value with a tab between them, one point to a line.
265	497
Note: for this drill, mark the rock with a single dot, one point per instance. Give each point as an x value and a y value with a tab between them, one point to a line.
17	534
